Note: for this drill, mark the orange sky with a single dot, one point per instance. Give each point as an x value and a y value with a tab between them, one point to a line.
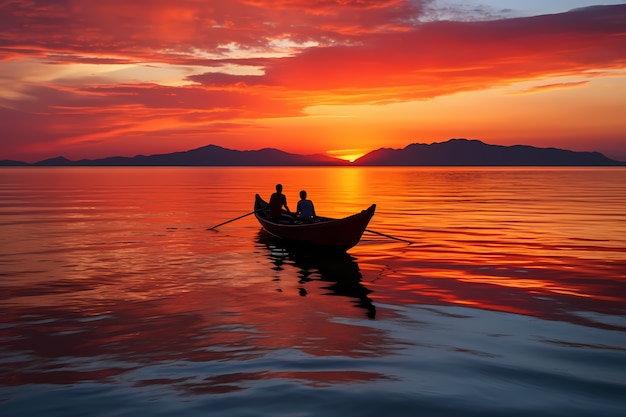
92	78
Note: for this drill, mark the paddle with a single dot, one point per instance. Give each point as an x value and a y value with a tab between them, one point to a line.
389	236
232	220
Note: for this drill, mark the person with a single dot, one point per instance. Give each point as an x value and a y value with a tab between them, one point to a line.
305	209
278	200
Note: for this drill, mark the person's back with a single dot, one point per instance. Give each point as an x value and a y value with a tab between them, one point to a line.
305	209
277	201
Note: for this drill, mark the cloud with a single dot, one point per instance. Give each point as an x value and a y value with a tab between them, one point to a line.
448	57
145	29
450	51
550	87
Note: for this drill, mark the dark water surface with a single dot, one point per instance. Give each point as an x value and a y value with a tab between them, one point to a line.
116	301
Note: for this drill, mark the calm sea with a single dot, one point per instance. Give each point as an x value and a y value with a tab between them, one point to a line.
115	299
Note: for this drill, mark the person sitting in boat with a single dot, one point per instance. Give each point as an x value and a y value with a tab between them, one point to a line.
305	209
278	200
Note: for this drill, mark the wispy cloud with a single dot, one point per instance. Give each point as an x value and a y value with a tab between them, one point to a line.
550	87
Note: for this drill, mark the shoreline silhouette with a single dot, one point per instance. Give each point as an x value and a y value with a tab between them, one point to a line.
454	152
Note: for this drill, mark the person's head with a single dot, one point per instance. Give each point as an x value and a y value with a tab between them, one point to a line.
279	188
303	195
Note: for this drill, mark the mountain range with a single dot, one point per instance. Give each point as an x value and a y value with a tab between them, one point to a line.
464	152
454	152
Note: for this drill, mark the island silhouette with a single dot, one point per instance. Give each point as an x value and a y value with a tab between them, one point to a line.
454	152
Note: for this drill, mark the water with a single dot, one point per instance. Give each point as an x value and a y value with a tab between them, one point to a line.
116	300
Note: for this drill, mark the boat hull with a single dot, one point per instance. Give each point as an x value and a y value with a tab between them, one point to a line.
336	234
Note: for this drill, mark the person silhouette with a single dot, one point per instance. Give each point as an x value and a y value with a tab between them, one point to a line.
278	200
305	209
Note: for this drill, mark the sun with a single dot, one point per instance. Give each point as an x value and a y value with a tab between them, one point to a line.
350	155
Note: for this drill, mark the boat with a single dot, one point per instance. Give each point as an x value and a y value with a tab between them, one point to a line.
329	233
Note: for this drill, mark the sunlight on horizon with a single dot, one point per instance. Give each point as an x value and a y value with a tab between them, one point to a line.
349	155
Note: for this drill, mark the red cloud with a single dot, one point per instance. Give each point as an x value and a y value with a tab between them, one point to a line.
448	55
146	28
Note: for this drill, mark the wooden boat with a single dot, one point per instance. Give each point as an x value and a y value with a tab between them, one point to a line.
336	234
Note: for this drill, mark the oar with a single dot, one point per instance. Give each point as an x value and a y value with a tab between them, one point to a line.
389	236
236	218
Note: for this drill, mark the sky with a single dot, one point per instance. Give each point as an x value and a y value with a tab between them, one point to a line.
92	78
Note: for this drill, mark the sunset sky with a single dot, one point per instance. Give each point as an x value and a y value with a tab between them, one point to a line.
93	78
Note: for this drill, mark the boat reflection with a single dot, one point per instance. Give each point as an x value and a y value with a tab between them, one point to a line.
339	269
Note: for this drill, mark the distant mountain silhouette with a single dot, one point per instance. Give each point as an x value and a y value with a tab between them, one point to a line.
210	155
11	163
455	152
464	152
